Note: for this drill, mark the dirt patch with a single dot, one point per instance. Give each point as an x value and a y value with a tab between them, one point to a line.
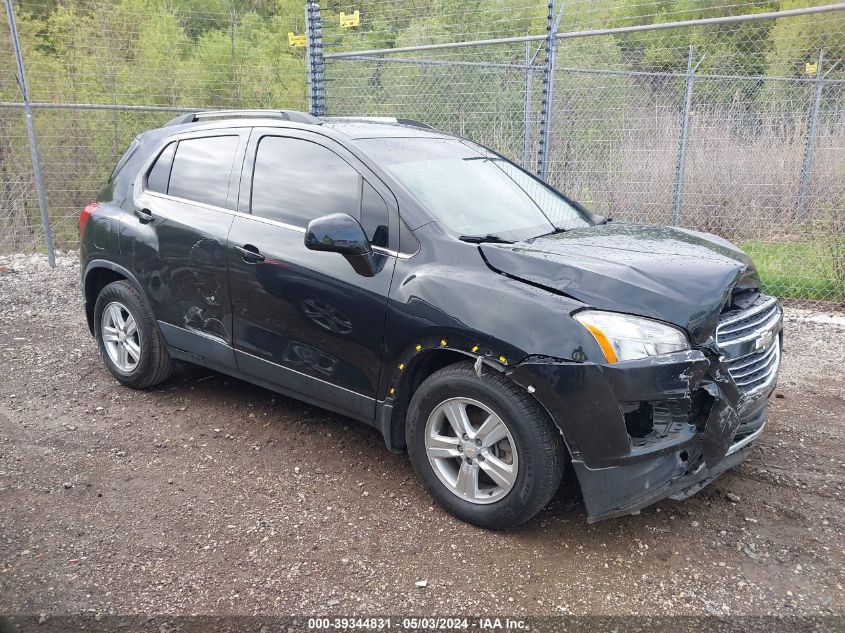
208	495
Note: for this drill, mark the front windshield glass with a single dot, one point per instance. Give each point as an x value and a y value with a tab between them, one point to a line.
471	190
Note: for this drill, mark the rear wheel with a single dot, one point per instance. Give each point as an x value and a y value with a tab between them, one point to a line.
483	447
128	337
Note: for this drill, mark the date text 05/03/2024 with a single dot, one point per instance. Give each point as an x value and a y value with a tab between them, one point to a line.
416	623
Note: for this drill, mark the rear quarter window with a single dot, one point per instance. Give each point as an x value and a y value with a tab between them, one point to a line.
159	177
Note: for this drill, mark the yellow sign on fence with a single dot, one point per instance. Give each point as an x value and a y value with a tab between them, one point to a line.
297	41
348	21
811	69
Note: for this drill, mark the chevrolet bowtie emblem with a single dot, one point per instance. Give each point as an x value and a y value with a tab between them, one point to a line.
764	341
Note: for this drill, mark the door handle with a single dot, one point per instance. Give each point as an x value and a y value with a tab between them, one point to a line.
144	215
250	254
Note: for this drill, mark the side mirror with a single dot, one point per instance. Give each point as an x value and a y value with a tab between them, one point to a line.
341	233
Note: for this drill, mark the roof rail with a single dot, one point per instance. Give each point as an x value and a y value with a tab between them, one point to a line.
385	119
286	115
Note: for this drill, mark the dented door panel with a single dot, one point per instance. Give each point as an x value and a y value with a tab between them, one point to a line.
180	260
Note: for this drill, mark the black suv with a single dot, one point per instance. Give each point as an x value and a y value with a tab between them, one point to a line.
431	288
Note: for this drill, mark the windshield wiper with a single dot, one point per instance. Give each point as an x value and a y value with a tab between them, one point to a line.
480	239
484	158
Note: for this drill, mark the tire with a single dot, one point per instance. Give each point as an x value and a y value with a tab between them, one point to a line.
527	463
153	364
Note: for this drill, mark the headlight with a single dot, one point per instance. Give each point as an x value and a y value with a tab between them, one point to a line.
623	337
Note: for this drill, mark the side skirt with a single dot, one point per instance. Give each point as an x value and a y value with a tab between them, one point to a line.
216	355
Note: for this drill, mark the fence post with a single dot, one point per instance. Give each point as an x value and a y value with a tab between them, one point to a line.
810	146
682	146
30	133
527	106
314	55
548	84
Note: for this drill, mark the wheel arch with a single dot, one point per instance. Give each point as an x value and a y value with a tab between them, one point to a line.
408	376
420	367
424	364
99	273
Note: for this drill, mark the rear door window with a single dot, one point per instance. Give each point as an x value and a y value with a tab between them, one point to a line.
202	168
295	181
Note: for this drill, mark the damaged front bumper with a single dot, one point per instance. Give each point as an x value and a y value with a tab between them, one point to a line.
641	431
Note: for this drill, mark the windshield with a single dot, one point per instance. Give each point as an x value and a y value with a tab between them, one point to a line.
471	190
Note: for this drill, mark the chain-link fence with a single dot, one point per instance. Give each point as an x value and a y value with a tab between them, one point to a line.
722	118
99	73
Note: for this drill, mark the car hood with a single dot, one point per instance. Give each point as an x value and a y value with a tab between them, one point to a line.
676	275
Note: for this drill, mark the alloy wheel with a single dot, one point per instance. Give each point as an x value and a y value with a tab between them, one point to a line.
121	337
471	450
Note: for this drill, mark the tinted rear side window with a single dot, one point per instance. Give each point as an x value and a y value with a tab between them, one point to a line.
296	181
201	169
159	175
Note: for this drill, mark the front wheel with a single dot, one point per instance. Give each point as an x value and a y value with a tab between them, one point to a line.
483	448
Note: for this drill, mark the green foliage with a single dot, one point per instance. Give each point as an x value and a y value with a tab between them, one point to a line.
802	270
180	53
176	52
235	53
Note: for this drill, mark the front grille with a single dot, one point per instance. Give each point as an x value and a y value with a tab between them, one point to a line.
735	326
750	342
756	370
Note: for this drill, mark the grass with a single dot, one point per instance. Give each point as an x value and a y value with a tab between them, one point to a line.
794	269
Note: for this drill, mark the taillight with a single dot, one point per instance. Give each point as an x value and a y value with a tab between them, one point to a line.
86	213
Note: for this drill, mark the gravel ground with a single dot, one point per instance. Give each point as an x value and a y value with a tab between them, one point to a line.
207	495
